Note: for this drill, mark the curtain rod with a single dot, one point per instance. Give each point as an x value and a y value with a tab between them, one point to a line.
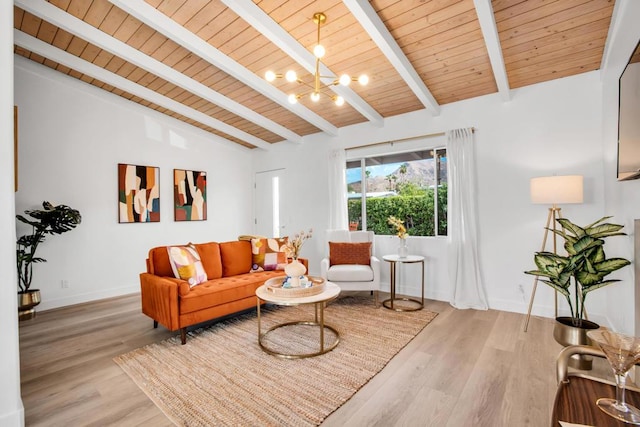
429	135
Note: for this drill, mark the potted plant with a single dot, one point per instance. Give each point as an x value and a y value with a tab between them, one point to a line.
401	232
578	273
49	220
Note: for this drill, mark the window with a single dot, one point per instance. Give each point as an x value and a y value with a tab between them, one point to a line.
411	186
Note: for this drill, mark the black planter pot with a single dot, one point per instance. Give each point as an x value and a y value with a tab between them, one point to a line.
27	301
566	334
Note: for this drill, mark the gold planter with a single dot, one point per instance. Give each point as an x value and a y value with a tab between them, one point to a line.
566	334
27	301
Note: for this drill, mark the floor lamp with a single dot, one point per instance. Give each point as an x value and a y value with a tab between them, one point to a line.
553	190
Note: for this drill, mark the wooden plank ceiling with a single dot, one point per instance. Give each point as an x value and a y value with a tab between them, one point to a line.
439	42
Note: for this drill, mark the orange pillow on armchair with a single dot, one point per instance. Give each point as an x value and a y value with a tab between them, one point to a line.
349	253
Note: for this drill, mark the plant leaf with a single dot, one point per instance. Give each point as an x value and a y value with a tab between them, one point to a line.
597	255
593	224
587	289
544	259
577	231
583	244
587	278
589	266
606	230
611	265
560	289
563	234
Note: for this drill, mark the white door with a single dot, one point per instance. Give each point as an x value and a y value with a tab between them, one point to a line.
269	204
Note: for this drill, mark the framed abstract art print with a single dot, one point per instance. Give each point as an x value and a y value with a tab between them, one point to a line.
138	193
189	195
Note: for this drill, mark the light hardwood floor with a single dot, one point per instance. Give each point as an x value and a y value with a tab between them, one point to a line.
467	368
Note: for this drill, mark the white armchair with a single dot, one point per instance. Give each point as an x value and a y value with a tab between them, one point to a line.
352	277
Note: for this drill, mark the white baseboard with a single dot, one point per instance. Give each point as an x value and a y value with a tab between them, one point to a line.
415	291
13	419
49	304
543	311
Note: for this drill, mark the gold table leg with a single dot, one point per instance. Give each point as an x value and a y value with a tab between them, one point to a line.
320	324
388	303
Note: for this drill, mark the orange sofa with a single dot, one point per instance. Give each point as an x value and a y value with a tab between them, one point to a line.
230	287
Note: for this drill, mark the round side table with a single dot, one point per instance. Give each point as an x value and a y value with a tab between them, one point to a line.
409	259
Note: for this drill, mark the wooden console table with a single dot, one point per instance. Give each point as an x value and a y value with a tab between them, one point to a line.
576	403
576	396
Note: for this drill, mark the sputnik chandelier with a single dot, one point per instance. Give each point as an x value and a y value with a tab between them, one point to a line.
315	91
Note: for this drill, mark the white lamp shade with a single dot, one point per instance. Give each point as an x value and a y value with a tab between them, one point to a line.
555	190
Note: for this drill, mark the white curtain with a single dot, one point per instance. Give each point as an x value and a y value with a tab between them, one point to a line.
338	218
465	277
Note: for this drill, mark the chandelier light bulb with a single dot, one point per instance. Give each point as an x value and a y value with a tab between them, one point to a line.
339	101
292	99
315	96
291	76
270	76
345	80
319	51
363	79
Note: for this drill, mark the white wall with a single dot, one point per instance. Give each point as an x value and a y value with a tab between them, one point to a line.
72	136
623	198
11	410
546	129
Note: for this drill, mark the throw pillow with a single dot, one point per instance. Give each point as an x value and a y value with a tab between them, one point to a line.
349	253
211	259
186	264
236	257
268	254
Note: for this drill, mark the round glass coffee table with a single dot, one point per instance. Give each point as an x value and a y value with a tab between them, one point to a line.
330	292
409	259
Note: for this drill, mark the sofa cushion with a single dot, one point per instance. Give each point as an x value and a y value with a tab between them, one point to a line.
350	273
159	263
186	264
210	257
224	290
268	254
236	257
349	253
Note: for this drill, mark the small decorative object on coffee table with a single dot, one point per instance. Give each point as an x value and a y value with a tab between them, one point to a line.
408	259
282	287
622	352
295	269
329	292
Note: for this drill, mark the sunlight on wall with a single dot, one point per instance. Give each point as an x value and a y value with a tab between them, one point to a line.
177	140
152	128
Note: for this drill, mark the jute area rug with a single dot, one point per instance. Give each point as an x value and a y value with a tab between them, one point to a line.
221	377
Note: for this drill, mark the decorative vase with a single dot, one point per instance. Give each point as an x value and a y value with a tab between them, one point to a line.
295	269
566	334
403	250
27	301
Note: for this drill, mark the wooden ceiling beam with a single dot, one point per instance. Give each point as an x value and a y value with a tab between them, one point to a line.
489	29
373	25
190	41
79	28
257	18
53	53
